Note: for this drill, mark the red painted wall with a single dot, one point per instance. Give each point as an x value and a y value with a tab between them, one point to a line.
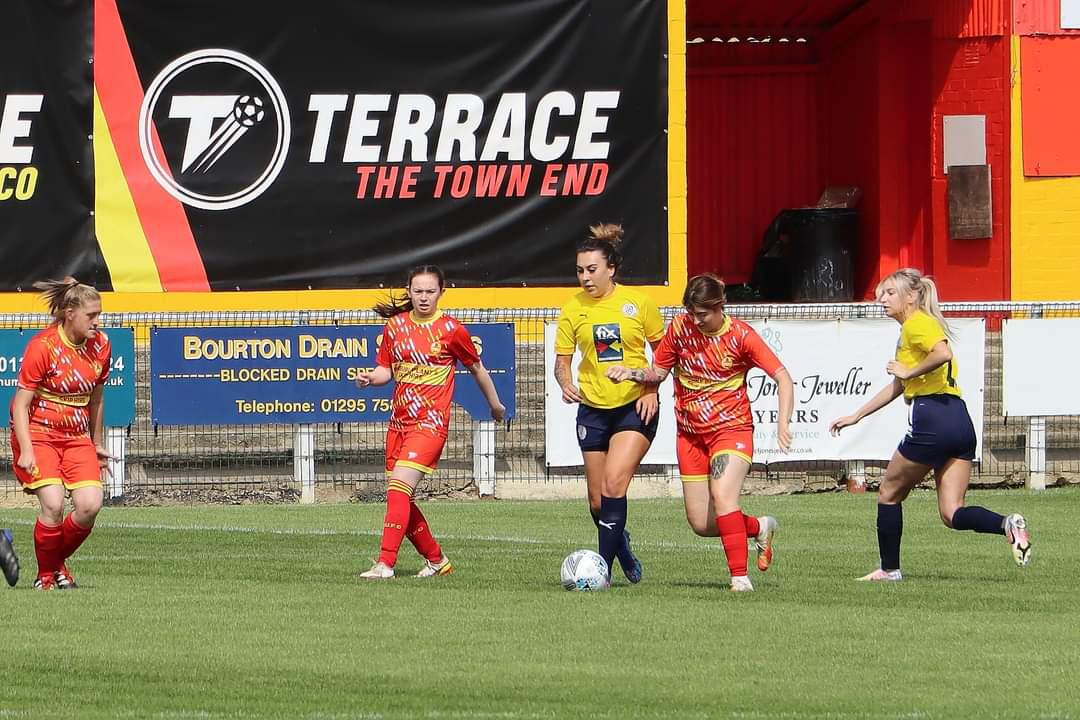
752	148
970	78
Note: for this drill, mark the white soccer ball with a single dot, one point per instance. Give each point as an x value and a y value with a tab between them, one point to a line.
584	570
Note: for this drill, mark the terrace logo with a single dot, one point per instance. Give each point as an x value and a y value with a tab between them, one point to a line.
214	150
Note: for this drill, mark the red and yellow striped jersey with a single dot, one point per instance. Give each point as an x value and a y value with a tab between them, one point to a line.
62	376
422	356
710	372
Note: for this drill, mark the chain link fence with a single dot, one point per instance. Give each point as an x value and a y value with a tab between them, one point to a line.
256	462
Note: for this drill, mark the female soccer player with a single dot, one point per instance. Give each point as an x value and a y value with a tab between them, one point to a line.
711	352
616	424
56	421
941	436
420	348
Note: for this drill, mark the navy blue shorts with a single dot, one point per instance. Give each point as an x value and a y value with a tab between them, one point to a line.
595	426
940	429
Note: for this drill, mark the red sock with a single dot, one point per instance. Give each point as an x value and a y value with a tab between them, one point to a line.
753	527
398	498
420	534
48	539
74	534
733	535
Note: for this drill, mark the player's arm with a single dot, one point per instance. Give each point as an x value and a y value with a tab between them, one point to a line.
487	389
565	377
786	401
645	376
20	416
97	427
884	396
379	375
940	354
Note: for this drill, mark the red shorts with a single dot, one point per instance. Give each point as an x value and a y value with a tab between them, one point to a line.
414	449
696	451
71	462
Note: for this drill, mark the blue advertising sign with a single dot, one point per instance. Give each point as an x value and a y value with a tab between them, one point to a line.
119	388
296	374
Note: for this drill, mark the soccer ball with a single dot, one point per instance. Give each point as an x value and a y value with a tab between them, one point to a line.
248	110
584	570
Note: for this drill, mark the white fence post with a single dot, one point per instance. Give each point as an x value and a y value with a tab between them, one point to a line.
1036	454
304	462
484	457
855	470
116	444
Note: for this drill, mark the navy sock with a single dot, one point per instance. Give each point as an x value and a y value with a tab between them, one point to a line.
979	519
595	517
609	527
890	526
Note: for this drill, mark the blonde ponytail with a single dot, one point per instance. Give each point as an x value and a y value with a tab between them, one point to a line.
924	290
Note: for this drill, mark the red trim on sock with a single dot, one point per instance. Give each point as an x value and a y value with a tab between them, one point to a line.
48	539
394	524
753	527
74	535
419	533
733	535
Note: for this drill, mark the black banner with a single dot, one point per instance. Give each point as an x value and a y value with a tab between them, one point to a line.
46	163
335	144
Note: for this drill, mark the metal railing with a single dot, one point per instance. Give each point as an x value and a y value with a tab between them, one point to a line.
242	463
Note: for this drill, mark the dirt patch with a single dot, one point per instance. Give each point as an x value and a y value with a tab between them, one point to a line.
154	497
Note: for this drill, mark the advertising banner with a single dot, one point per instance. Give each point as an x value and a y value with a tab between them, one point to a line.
1039	357
46	168
836	366
340	143
119	397
297	374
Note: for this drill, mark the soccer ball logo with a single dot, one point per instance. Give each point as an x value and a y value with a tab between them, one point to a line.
248	110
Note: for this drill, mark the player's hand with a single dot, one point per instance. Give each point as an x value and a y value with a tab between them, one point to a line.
363	378
498	412
617	373
104	457
839	423
898	370
27	462
570	393
647	405
783	437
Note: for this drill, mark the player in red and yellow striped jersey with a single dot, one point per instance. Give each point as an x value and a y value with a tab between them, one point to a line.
420	349
710	352
56	421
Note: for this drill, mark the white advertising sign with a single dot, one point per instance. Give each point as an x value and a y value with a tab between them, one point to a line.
1039	355
836	366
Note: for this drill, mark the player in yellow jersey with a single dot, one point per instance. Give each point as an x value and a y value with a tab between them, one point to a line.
941	436
616	423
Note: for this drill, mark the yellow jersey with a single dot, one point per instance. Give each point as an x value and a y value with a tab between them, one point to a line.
918	336
610	331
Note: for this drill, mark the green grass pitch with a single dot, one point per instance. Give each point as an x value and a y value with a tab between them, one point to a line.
215	613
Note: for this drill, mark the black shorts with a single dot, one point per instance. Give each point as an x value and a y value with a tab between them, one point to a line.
940	429
595	426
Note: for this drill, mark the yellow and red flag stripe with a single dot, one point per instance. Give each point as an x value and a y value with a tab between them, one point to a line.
144	233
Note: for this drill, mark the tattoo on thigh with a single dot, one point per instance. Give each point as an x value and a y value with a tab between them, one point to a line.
717	466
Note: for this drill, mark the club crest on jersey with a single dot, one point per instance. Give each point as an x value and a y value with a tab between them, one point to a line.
607	338
436	347
629	309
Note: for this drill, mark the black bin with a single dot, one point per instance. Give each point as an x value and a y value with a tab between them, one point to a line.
821	242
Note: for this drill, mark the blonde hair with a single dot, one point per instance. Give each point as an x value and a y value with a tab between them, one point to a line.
60	295
924	290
